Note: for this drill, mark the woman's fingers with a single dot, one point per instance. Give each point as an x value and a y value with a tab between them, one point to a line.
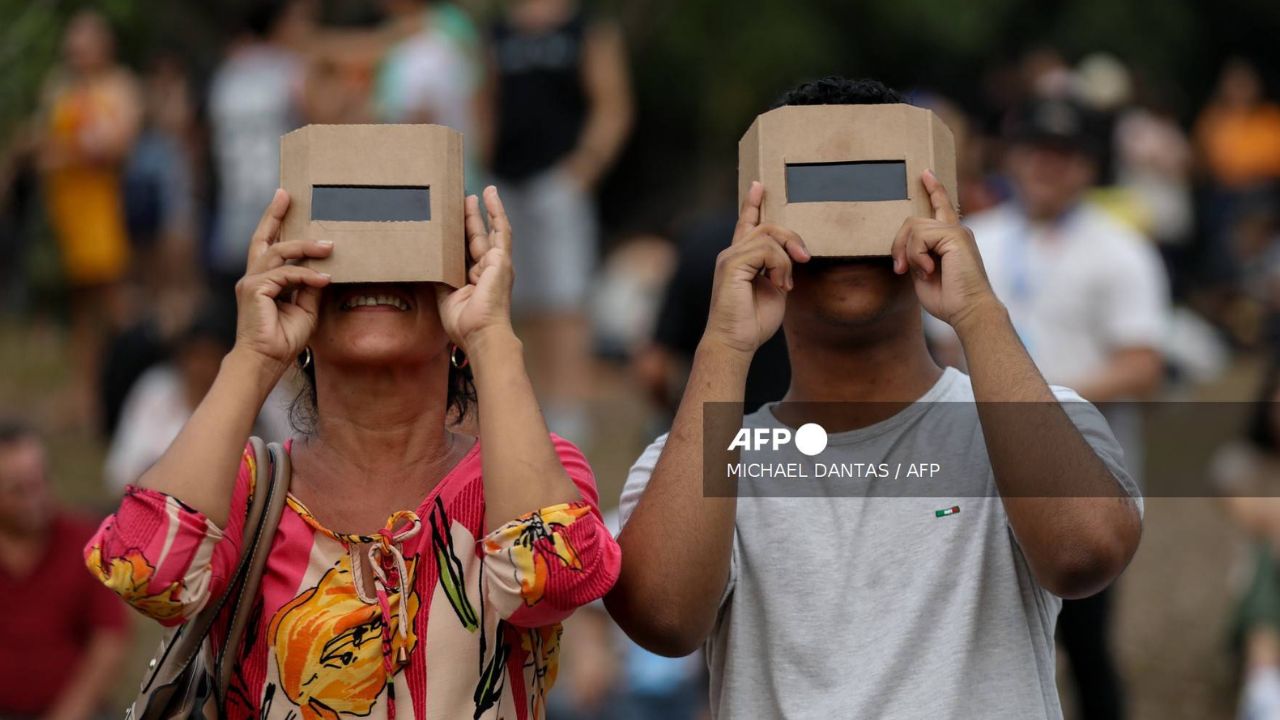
280	253
477	234
268	229
274	282
499	225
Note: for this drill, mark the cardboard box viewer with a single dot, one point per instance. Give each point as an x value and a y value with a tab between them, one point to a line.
845	177
388	196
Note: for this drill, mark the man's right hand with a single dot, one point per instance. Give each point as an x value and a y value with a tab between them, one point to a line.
753	276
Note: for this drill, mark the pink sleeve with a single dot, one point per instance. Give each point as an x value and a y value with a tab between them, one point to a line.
543	565
164	558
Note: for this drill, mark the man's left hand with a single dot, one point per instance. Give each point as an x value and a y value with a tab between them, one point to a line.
943	259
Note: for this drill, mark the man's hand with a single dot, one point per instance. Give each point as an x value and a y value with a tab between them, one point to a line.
753	276
943	258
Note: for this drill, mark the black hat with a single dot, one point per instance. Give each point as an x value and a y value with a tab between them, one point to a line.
1057	122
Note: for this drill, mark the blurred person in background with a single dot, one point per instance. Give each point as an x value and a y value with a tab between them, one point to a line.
663	364
1154	162
90	115
1237	142
63	636
1246	473
434	75
160	192
162	215
562	107
1088	298
255	97
163	398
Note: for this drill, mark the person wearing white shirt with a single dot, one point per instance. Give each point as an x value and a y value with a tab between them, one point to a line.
1089	300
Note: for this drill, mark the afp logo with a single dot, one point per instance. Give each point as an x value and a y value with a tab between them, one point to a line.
810	439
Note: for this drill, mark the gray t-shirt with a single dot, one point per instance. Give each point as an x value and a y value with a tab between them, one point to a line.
841	606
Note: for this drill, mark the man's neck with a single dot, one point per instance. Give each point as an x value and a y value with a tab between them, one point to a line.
856	384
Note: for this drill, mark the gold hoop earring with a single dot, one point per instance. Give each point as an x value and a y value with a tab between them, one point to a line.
457	357
304	358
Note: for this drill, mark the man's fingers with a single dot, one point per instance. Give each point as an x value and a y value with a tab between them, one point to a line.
943	210
477	233
788	240
749	213
269	226
918	253
762	253
499	225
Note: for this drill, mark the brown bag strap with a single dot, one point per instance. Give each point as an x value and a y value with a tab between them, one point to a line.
185	645
272	483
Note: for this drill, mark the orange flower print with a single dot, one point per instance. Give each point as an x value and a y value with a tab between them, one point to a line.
525	533
129	576
328	645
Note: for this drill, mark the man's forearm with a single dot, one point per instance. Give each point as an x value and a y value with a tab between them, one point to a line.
676	545
1074	522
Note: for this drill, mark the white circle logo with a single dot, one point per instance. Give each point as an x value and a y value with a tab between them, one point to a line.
811	439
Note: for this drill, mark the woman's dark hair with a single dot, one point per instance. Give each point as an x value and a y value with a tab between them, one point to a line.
836	90
303	411
1262	431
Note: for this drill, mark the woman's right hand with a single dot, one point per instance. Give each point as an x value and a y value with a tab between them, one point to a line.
278	302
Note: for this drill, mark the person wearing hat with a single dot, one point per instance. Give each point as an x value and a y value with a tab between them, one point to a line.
1089	299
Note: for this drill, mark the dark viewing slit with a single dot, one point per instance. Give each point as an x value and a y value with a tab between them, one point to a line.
365	203
847	181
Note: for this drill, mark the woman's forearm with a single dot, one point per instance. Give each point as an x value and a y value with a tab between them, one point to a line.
199	468
522	472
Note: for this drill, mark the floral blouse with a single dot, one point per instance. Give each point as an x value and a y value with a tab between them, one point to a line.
428	618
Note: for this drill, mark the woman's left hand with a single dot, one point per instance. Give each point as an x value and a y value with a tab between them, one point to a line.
483	305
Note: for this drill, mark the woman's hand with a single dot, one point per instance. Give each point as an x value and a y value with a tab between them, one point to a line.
278	302
483	305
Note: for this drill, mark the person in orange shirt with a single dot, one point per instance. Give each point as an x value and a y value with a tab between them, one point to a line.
1238	133
90	117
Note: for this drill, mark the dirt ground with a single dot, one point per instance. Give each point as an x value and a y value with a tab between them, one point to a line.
1172	607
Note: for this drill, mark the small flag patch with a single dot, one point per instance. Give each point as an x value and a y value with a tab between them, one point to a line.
947	511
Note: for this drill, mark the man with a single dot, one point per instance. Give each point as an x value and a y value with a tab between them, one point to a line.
851	603
63	635
1088	297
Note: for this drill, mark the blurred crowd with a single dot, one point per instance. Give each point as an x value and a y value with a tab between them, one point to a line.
150	181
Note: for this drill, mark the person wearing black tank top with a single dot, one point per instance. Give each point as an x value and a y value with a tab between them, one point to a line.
562	110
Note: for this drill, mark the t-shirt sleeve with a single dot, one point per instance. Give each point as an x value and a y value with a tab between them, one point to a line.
543	565
1097	432
1137	297
165	558
638	480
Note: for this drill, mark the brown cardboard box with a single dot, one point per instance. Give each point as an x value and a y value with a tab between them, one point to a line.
845	177
388	196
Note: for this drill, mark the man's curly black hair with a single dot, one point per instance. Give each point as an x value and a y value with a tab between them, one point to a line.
836	90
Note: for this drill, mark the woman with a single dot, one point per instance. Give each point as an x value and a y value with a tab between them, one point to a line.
89	118
415	566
